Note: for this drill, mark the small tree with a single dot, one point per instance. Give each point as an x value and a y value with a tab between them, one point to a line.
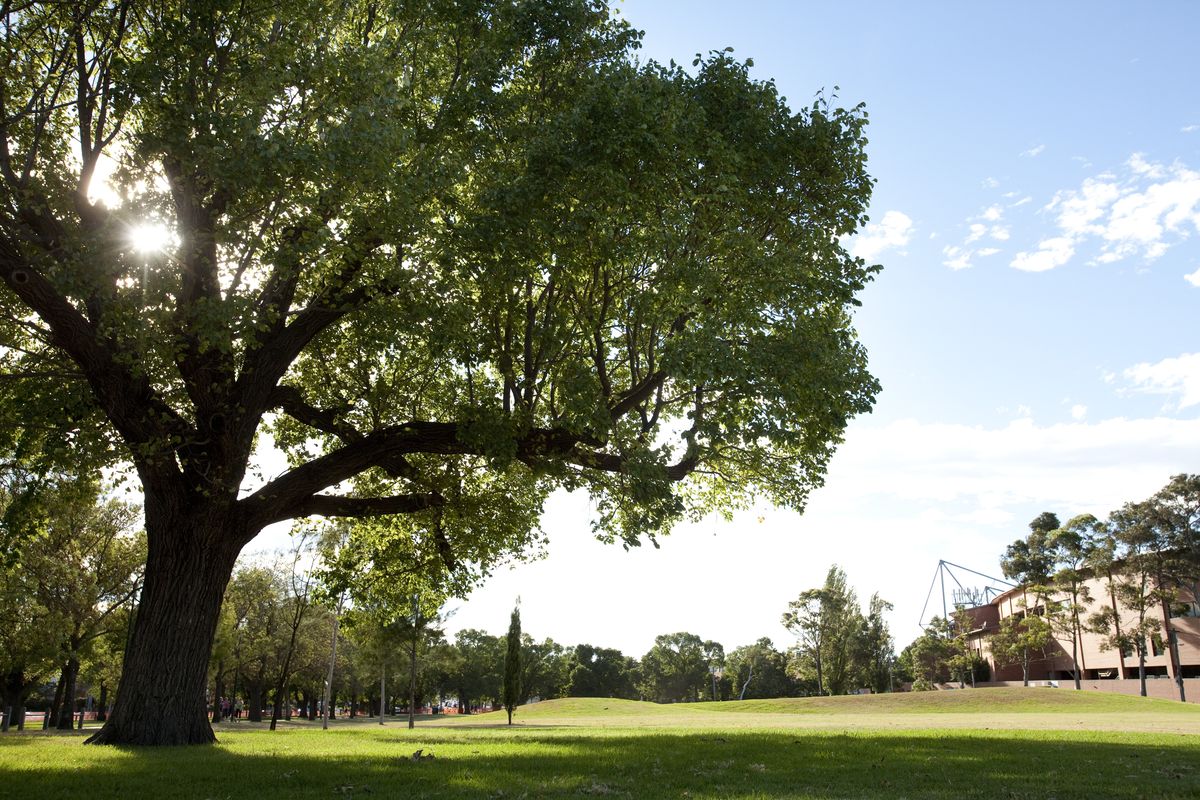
1019	640
928	657
512	663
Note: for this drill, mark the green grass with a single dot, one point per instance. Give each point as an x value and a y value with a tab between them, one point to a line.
978	701
689	754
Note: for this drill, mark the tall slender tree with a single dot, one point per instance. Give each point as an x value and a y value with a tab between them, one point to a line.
1073	545
512	662
828	622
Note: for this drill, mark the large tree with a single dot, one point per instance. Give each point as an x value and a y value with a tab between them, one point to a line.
830	627
675	669
452	255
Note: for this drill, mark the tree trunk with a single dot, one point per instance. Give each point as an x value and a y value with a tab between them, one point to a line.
160	698
54	717
255	701
412	684
218	692
1075	640
102	703
328	693
1142	668
12	695
382	691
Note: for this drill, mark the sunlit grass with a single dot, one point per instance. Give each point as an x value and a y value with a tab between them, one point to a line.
472	758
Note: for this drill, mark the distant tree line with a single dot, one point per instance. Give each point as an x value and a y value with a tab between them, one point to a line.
378	666
320	627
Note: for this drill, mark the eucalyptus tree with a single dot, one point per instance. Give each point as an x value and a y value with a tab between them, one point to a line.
451	255
545	669
675	669
1031	561
602	672
1132	555
759	670
828	624
1073	545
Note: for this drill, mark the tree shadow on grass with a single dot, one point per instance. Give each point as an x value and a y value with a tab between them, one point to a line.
536	763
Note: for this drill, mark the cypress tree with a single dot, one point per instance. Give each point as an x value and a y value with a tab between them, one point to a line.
512	663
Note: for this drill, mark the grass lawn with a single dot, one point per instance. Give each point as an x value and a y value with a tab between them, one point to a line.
865	747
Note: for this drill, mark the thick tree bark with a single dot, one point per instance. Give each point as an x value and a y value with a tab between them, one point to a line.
66	713
51	720
255	701
160	699
102	703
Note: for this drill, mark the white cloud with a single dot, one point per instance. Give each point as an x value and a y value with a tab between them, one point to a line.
1079	210
1189	129
1141	219
956	257
1177	378
959	257
1076	466
1138	163
892	232
1141	213
1033	152
1021	202
1051	253
1078	411
1194	278
990	183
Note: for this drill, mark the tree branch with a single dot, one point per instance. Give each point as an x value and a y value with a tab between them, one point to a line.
333	506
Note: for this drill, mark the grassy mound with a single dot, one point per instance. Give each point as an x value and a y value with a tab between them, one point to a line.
965	701
962	701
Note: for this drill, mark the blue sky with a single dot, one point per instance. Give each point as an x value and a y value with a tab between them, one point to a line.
1035	327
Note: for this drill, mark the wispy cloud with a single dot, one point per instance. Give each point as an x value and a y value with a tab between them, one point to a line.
987	223
892	232
1051	253
1033	152
1178	378
956	257
1141	211
1193	279
1189	129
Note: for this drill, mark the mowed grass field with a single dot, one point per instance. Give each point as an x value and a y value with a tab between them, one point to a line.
1072	745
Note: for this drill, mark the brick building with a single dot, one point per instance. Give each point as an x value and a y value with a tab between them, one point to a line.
1095	662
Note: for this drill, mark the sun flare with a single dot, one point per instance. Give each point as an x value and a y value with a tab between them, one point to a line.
150	237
